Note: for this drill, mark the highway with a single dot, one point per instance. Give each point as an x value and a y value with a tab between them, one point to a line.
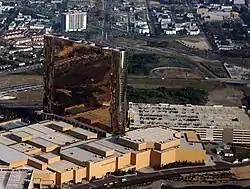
21	69
107	19
20	88
21	104
223	80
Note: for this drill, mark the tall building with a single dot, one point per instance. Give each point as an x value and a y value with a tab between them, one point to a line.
74	21
86	83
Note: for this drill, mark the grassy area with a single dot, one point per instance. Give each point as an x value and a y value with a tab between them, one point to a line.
216	68
174	62
165	95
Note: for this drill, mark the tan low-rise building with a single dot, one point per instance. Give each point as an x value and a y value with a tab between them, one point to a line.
63	154
137	149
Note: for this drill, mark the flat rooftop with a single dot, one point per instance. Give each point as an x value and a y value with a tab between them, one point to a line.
9	155
14	179
59	138
187	116
63	166
153	134
83	131
21	134
23	147
82	155
101	115
6	141
42	142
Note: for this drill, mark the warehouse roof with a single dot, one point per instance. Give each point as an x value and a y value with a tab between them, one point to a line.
23	147
13	125
14	178
83	131
6	141
42	142
152	134
63	165
9	155
59	138
21	134
81	155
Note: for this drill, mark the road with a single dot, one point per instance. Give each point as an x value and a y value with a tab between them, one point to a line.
226	80
21	104
21	69
141	178
149	178
107	19
20	88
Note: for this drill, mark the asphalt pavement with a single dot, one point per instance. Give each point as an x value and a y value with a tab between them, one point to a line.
20	88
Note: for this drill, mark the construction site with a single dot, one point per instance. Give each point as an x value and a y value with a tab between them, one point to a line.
85	82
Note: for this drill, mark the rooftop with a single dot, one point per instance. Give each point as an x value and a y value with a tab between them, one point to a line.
23	147
42	142
14	179
59	138
82	131
9	155
48	155
81	155
154	134
6	141
191	116
63	166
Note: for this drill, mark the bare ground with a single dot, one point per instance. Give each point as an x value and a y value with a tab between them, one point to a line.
226	96
8	80
30	95
197	42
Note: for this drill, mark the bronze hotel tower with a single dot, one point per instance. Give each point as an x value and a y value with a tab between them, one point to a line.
85	82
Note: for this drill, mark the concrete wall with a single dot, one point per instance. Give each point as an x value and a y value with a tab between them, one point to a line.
80	174
141	159
123	160
190	155
45	176
101	168
170	144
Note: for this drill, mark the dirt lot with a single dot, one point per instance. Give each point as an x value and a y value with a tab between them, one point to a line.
153	83
175	73
242	172
226	96
197	43
219	94
128	41
31	95
20	79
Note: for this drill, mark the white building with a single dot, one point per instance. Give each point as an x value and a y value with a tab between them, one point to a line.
239	2
74	21
142	29
170	31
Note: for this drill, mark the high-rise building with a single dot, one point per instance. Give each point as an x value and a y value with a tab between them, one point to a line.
74	21
86	82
